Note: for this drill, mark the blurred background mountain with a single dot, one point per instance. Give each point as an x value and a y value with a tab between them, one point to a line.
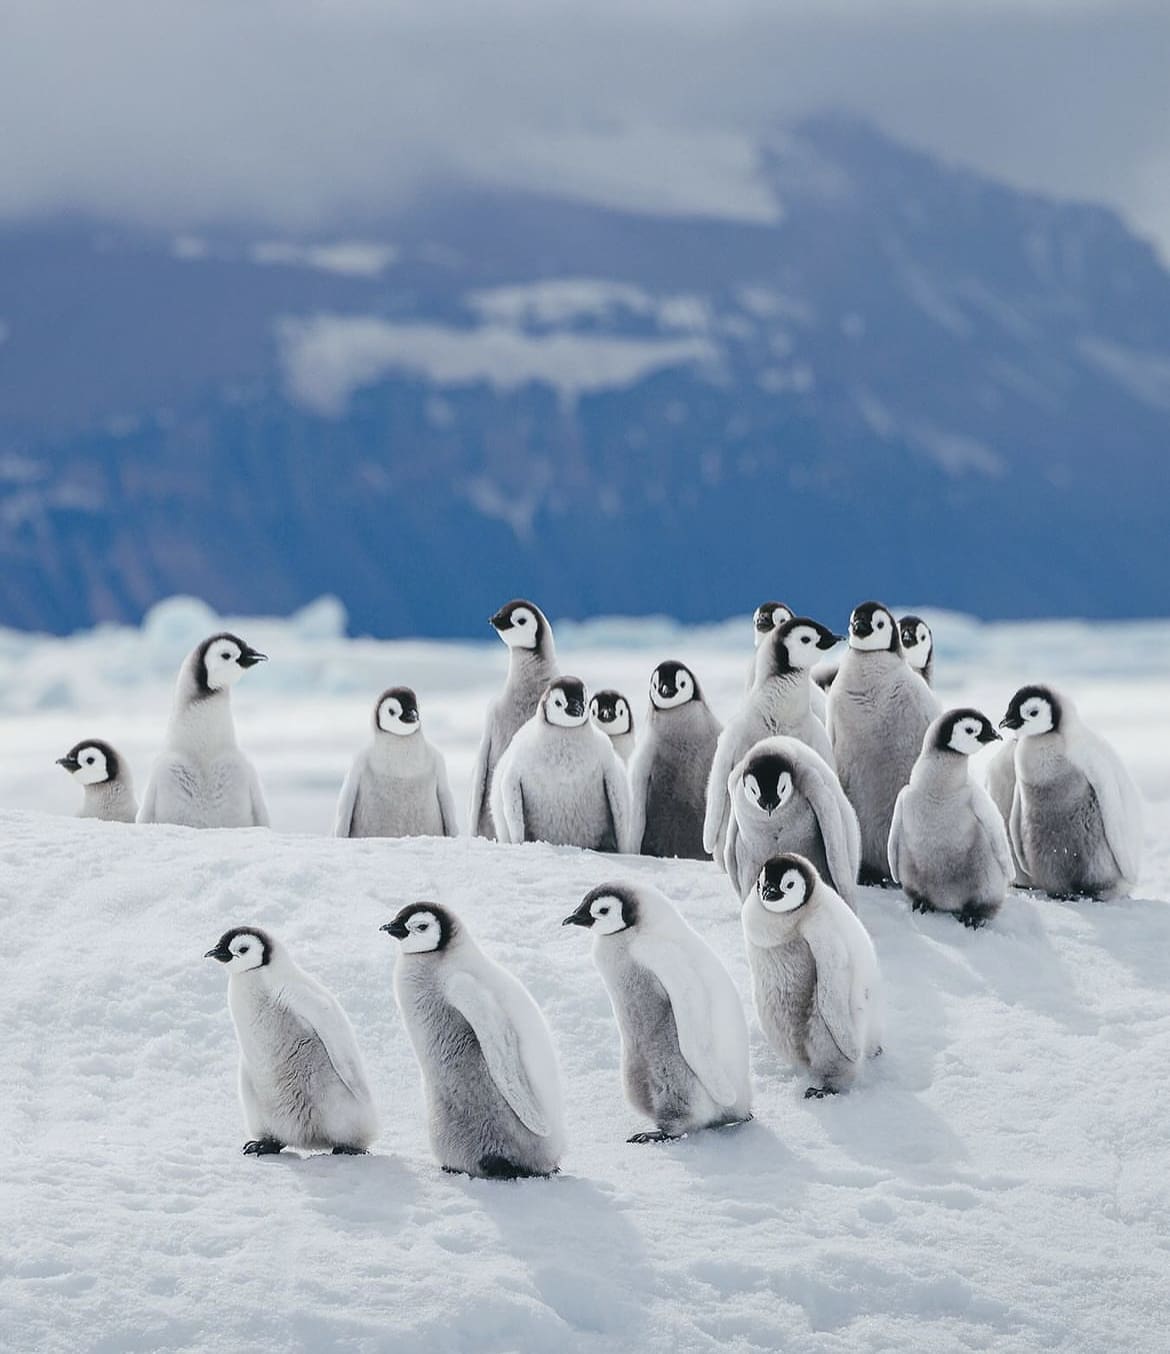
883	376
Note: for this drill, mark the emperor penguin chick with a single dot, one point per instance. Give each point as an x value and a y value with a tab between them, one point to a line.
302	1082
109	789
879	711
786	798
610	712
669	771
779	703
202	779
398	786
918	646
948	848
532	665
560	780
1076	824
489	1071
814	974
684	1036
768	616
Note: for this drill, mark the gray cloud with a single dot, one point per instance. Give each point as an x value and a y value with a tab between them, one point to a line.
301	115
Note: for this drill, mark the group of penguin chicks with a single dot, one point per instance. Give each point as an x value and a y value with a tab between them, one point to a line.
827	777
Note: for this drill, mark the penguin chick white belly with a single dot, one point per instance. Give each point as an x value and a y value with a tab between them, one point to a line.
945	859
793	828
563	791
216	792
396	806
471	1123
1058	832
289	1088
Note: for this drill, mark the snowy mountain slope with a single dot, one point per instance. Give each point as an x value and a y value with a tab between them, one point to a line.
997	1181
913	368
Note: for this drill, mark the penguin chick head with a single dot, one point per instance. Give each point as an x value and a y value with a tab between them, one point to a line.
872	629
605	910
564	703
610	711
422	928
786	882
92	762
767	781
963	731
799	643
222	660
397	712
520	624
672	684
917	641
1033	710
767	617
242	949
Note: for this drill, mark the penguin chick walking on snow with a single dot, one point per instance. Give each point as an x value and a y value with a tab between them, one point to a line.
918	646
202	779
1076	824
684	1036
879	711
488	1066
610	712
302	1082
814	974
109	790
532	665
948	848
560	780
779	703
669	771
398	786
786	798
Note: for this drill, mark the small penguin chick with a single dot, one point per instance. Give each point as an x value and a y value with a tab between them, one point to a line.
488	1066
302	1080
397	712
610	712
917	646
872	629
109	790
768	616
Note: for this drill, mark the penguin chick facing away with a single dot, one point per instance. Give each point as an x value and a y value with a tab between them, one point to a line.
560	781
532	665
683	1032
879	711
488	1067
397	787
669	771
948	848
202	779
610	712
302	1082
1076	820
814	974
785	797
105	777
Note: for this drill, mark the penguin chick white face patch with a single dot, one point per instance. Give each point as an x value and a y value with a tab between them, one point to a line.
423	933
803	644
398	717
222	665
667	693
522	631
968	736
1035	716
783	894
871	632
564	708
91	766
241	950
606	912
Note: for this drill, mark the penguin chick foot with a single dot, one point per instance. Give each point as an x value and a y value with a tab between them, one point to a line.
262	1147
975	915
818	1092
500	1168
656	1136
343	1150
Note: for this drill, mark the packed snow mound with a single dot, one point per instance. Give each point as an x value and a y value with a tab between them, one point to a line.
997	1180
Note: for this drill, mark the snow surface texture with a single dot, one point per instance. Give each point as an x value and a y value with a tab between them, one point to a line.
997	1181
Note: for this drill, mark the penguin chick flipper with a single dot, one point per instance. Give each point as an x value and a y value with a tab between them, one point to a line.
262	1147
344	1150
656	1136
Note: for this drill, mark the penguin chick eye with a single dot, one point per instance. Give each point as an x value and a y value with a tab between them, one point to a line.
225	654
806	639
880	623
89	761
521	620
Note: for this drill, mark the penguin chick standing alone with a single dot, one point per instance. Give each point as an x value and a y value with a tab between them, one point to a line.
918	646
610	712
668	775
109	791
684	1036
779	703
398	786
948	848
532	665
1076	825
786	798
814	974
202	779
302	1082
560	780
879	711
487	1061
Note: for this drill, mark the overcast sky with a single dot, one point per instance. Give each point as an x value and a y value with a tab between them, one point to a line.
300	115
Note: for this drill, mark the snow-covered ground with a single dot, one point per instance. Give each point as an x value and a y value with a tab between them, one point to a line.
998	1181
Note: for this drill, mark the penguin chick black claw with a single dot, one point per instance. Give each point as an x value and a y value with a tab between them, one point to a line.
346	1151
656	1136
818	1092
262	1147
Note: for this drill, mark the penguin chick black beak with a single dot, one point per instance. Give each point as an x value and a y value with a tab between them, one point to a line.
499	621
221	952
409	716
861	627
582	917
1011	722
250	657
575	708
989	735
397	929
70	764
770	890
769	803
